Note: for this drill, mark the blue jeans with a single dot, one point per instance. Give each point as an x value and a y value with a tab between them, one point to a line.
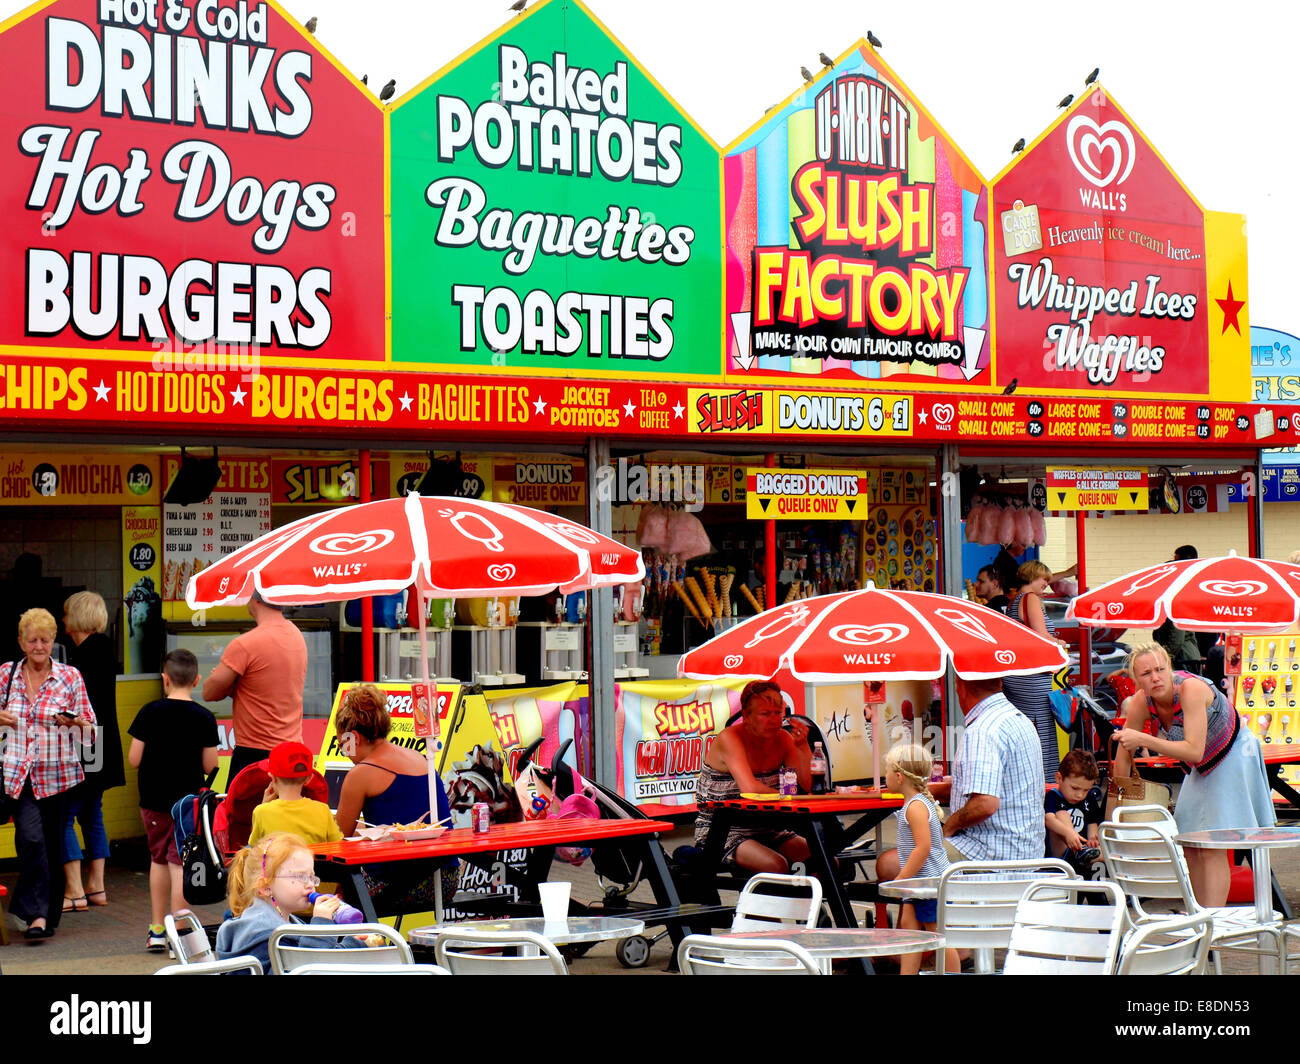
85	804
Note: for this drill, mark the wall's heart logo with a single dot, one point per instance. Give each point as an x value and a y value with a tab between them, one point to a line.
864	635
1102	154
943	414
1233	588
351	543
500	573
1114	608
733	661
1005	657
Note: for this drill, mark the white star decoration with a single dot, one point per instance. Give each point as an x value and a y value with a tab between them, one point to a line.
237	396
679	410
101	392
540	406
405	400
628	408
921	416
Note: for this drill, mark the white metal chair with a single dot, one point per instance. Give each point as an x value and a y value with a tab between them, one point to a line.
1169	947
248	965
369	969
286	957
711	955
472	952
768	902
757	909
187	939
1148	865
1057	932
978	899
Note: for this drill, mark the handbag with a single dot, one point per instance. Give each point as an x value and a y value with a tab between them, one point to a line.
1134	790
4	804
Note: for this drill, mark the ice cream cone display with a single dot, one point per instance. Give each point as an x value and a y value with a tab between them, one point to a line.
1268	726
749	597
711	592
1262	668
700	600
792	592
724	583
1286	728
686	601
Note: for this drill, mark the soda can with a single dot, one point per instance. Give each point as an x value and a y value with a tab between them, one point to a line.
480	818
420	710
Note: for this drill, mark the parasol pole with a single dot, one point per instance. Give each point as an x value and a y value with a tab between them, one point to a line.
875	750
432	689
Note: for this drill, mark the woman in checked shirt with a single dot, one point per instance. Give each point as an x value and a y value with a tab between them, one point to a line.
45	716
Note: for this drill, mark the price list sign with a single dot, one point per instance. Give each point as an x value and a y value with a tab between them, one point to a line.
196	536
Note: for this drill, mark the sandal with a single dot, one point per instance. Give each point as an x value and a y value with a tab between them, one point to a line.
70	905
93	894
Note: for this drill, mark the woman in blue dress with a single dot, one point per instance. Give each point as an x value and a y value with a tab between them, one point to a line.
1226	785
387	784
1032	695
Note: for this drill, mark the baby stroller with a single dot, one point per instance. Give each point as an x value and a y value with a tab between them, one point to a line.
619	865
212	827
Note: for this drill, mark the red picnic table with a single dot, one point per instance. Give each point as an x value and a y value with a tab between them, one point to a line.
808	815
344	860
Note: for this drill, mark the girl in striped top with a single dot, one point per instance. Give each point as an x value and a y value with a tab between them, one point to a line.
920	842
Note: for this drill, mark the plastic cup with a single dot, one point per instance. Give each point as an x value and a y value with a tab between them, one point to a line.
555	901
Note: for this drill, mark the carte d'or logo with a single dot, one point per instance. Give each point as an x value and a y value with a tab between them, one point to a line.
1104	154
1020	229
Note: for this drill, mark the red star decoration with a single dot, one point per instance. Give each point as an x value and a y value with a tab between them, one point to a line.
1231	309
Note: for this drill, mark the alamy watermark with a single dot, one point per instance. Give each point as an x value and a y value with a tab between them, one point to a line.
65	743
633	482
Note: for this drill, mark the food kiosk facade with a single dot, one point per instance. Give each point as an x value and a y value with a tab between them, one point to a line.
536	266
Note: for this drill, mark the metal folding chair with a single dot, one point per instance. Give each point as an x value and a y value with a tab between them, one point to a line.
711	955
1058	932
285	957
978	899
473	952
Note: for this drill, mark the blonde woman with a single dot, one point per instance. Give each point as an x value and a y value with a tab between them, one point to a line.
1226	785
1032	695
45	716
85	618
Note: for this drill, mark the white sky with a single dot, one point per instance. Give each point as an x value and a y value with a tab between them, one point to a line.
1210	83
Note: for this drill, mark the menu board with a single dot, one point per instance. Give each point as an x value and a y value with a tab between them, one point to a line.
196	536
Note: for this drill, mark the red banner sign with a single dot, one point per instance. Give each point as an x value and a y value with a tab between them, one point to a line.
1099	263
194	179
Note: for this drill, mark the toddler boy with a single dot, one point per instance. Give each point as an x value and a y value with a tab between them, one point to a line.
284	808
1074	812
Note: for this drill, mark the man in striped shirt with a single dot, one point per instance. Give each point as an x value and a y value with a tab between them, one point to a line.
997	779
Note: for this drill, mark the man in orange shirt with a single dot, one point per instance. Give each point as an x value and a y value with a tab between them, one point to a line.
264	670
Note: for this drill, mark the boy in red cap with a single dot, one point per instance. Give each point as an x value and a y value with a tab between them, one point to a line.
284	808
